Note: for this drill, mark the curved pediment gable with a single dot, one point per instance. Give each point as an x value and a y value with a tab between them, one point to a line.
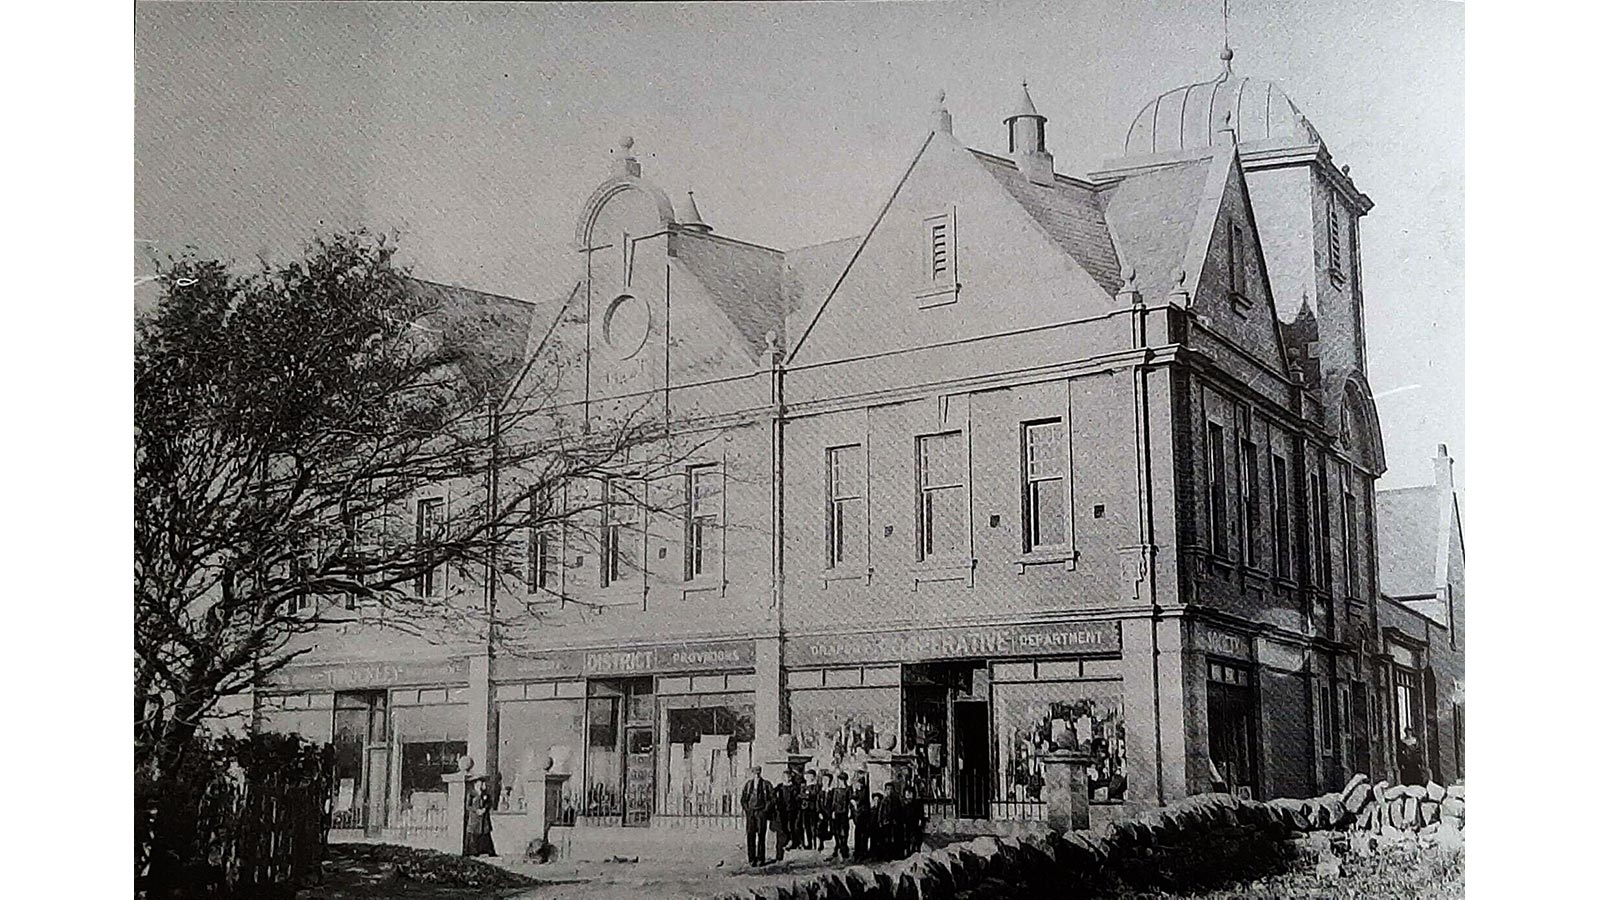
1359	431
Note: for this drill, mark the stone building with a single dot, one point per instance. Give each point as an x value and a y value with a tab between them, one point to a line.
1422	573
1035	458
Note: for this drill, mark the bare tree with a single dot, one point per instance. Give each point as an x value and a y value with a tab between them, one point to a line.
286	421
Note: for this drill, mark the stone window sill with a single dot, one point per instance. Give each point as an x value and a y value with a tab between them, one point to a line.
861	574
938	296
943	569
1061	556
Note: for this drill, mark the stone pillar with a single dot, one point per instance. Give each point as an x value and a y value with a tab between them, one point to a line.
1066	789
544	802
776	768
885	768
480	743
769	699
455	807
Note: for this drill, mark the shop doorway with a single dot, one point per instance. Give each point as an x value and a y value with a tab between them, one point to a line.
1231	720
620	759
970	729
360	759
947	728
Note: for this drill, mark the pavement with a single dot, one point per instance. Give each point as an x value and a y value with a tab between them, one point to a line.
677	879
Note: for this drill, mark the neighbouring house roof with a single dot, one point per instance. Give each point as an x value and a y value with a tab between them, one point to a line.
1408	541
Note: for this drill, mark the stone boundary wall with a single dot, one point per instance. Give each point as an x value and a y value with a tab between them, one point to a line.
1043	858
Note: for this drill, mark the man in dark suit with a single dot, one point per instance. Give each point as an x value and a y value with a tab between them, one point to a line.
756	801
810	804
839	810
789	804
861	817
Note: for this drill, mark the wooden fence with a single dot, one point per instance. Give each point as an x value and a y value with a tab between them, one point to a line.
255	836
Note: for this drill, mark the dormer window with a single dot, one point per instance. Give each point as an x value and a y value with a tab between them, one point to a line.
938	260
1238	273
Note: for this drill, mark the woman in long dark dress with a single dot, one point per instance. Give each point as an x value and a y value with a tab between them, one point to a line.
480	837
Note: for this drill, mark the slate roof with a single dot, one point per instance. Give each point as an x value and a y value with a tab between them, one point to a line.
1070	212
744	280
494	329
1153	214
1408	540
809	274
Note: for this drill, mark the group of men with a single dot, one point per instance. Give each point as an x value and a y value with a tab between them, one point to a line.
806	814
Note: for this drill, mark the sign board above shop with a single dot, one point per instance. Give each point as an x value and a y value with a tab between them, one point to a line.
716	656
359	675
964	642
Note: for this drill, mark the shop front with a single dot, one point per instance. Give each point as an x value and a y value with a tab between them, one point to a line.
975	706
642	734
396	730
1231	703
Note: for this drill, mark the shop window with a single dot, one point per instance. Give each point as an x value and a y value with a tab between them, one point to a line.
1217	485
1044	496
1231	722
430	529
707	750
1030	716
941	487
431	741
1280	516
532	734
702	522
846	506
841	726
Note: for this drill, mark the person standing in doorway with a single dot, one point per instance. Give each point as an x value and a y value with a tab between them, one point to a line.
755	798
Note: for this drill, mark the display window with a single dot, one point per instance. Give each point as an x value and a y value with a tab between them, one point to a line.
839	727
1033	717
430	741
706	748
534	733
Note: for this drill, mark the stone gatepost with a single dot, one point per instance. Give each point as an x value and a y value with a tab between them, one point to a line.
544	801
884	768
455	807
1066	789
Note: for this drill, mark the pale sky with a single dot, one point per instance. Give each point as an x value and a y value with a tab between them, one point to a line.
478	131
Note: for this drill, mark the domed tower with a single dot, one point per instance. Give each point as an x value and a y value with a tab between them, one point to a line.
1306	209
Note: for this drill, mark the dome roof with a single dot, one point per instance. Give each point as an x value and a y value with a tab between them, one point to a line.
1195	115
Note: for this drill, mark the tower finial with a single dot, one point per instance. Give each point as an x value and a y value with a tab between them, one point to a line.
1227	45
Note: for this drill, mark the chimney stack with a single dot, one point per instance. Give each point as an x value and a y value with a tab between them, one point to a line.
1026	129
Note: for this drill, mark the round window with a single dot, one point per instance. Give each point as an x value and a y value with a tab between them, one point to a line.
626	325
